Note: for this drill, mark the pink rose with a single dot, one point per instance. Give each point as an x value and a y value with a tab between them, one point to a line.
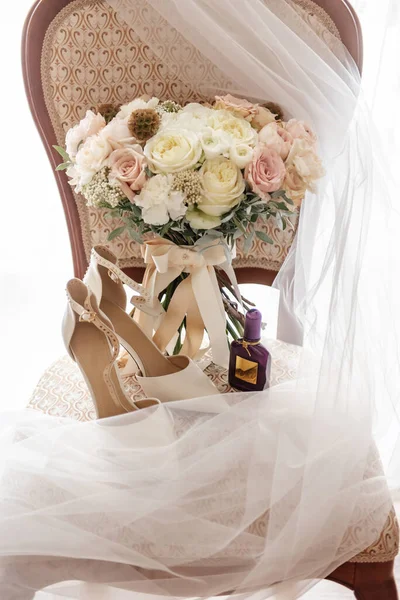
299	130
262	118
276	137
266	172
127	167
238	106
294	186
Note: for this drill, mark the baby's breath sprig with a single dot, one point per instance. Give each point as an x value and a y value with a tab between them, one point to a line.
188	182
101	192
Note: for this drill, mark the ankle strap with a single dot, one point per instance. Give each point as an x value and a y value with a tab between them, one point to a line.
89	314
117	275
143	300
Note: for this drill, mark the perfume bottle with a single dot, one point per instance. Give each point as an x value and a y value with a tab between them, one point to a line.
250	361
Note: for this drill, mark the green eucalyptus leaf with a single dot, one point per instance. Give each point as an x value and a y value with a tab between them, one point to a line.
63	166
114	234
278	194
63	153
264	237
248	241
135	235
281	205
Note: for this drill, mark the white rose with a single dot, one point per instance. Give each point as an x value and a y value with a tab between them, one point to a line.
241	155
199	220
215	143
159	203
92	157
90	125
127	109
239	130
172	151
223	186
306	162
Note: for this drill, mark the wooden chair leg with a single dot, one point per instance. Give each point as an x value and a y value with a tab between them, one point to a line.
369	581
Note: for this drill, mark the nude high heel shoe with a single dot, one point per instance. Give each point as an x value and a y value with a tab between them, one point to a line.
167	378
93	344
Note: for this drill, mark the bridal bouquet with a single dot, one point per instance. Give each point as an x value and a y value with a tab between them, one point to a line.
198	177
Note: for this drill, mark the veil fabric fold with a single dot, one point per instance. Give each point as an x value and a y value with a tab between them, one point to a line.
273	490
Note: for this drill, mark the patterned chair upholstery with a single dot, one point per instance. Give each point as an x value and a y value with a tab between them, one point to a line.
90	56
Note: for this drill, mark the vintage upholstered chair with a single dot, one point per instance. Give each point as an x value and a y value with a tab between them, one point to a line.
78	54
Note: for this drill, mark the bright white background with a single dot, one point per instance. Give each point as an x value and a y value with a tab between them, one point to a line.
35	260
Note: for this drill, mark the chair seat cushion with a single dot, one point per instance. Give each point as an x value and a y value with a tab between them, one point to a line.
62	392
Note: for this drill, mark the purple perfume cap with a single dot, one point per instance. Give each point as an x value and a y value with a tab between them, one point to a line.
252	326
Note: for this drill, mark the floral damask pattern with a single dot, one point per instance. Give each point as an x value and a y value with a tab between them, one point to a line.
62	392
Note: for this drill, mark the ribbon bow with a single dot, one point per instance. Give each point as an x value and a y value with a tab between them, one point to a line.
197	297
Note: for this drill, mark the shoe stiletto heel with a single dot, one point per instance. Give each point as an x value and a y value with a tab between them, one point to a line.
92	343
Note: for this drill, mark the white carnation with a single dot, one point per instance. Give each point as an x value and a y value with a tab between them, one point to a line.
159	203
192	117
91	158
90	125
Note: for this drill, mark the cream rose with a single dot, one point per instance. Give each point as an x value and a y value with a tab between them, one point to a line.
223	186
294	186
90	125
239	107
159	202
276	137
239	130
266	172
172	151
301	131
127	167
306	162
92	157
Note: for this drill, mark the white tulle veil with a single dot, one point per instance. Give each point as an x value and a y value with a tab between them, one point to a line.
256	499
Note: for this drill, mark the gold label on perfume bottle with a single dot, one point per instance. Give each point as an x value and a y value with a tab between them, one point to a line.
246	370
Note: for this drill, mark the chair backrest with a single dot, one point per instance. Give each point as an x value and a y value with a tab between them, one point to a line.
78	54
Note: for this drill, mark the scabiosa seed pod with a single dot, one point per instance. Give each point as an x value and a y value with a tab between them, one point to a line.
144	123
108	111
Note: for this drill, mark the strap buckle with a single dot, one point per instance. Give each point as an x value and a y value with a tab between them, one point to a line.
87	316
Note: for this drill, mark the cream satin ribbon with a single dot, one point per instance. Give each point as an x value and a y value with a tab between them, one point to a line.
197	297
